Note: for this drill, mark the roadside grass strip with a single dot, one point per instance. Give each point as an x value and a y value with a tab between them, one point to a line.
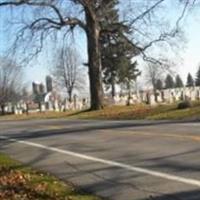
19	182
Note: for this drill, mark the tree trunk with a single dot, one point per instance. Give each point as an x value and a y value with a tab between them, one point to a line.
95	68
70	95
40	107
155	94
27	108
129	94
3	109
113	91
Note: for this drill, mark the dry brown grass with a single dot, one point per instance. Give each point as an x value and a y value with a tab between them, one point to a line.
18	182
140	111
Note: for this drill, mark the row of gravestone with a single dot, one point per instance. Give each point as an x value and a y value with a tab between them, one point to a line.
149	97
159	96
31	107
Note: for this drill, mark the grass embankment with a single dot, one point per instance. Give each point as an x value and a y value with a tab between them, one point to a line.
179	114
18	182
159	112
125	112
43	115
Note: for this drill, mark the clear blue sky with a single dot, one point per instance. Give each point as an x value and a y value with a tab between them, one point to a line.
190	55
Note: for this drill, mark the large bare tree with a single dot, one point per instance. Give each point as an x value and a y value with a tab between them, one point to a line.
40	19
67	70
10	82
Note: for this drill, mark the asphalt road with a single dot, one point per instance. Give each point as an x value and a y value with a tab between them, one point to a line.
119	160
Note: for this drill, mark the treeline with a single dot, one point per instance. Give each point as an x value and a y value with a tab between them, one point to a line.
177	82
11	83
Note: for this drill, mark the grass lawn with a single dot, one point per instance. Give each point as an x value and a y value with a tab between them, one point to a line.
190	113
43	115
18	182
159	112
124	112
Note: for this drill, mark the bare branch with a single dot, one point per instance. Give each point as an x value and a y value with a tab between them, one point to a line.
62	21
146	12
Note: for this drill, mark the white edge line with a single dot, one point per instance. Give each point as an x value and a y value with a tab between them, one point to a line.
109	162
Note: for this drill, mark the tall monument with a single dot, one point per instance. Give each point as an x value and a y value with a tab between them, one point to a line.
49	84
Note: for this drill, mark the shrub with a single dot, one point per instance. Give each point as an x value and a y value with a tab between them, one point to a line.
184	105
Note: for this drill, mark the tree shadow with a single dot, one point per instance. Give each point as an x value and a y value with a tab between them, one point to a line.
108	181
185	195
88	128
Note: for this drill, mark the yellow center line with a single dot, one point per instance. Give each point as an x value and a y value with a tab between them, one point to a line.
182	137
178	136
167	135
53	127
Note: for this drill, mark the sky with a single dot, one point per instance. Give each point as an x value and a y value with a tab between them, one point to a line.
190	54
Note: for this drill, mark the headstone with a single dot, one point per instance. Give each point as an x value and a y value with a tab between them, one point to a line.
152	99
193	95
43	109
75	102
56	106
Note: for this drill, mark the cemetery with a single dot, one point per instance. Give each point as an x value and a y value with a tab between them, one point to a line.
45	99
51	100
94	92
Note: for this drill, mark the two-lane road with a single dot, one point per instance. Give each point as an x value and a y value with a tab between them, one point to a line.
120	160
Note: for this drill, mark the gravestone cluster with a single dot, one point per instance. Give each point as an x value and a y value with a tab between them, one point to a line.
48	99
45	98
152	97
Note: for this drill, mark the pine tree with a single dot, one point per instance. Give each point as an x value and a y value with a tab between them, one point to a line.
128	75
159	85
197	80
190	81
179	82
169	82
115	51
108	49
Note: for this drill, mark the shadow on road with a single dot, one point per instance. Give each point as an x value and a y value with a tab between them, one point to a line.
110	181
89	128
188	195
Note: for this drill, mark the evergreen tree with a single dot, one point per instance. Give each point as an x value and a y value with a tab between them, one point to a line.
128	75
108	47
190	81
159	85
169	82
115	51
179	82
197	80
